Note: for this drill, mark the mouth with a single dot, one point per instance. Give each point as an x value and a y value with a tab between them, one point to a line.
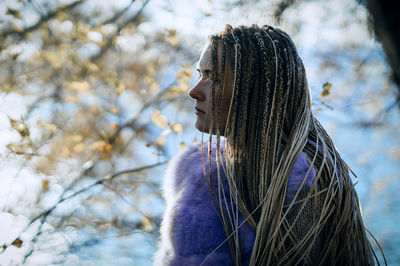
199	111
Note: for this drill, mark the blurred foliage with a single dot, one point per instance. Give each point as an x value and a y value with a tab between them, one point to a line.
98	116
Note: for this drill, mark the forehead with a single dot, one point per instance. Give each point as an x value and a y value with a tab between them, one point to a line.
205	58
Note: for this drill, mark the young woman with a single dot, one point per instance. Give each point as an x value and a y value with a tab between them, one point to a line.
269	187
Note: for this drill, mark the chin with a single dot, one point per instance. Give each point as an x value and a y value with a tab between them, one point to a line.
201	127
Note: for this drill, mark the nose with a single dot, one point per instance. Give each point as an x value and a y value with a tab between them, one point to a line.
196	92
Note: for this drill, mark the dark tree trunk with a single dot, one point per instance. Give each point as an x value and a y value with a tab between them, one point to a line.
385	16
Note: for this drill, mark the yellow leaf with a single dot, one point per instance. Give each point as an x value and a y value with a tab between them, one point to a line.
64	152
115	111
16	27
147	226
175	90
98	145
171	32
49	126
76	138
156	153
120	88
79	86
160	141
207	14
326	89
7	88
327	86
173	41
19	126
148	79
183	85
150	69
17	242
53	58
107	147
114	125
186	73
45	184
79	147
103	134
159	119
154	88
14	12
177	128
72	98
16	148
92	67
182	145
62	16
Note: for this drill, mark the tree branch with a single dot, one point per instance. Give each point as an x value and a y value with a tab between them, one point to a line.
43	18
109	177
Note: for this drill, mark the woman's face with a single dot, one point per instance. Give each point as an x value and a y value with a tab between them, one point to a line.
201	91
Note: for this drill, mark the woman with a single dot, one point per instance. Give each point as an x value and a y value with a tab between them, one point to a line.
273	190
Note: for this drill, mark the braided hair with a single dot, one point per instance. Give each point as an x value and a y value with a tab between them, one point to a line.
269	124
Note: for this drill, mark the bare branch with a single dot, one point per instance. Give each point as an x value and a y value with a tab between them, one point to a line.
109	177
44	18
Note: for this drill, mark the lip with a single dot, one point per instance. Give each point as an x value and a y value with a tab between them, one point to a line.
199	111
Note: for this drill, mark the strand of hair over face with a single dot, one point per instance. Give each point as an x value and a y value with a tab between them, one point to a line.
269	124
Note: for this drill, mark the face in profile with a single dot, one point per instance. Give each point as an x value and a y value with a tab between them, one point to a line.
201	92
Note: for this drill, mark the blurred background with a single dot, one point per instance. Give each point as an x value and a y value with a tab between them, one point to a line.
93	104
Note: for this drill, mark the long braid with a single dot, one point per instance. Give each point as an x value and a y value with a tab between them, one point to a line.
269	124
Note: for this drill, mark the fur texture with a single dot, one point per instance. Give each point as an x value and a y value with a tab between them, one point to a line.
191	228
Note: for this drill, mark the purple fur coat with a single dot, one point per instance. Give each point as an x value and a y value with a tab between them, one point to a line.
191	229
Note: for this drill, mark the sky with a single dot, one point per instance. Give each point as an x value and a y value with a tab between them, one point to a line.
327	30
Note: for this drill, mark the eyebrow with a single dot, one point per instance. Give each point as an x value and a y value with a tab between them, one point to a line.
203	70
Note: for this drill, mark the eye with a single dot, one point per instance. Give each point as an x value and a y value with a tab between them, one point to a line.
206	74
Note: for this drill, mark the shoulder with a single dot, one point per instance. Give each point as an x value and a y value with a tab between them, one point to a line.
177	168
301	170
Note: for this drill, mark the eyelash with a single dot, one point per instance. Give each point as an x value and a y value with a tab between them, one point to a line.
205	75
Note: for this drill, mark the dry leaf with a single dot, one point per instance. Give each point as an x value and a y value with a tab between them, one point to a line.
115	111
17	242
147	226
114	126
16	27
154	88
183	85
76	138
186	73
326	89
98	145
79	86
45	184
120	88
159	119
160	141
19	126
14	12
79	147
182	145
107	147
148	80
150	69
16	148
177	128
49	126
92	67
53	58
175	90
